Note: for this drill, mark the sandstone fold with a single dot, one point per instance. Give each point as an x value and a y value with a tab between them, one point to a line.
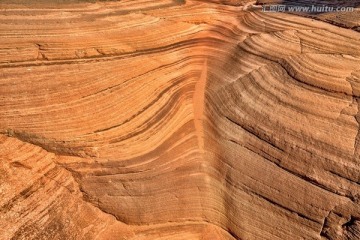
177	120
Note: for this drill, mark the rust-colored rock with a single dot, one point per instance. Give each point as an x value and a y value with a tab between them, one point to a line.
178	120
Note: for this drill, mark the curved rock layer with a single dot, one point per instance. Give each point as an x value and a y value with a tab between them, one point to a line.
177	120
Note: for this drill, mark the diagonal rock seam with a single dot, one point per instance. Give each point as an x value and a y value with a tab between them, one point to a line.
86	198
60	148
198	121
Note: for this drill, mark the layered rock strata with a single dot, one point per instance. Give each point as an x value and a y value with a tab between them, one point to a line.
177	120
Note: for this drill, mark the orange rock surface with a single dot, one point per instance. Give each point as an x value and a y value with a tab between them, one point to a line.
177	120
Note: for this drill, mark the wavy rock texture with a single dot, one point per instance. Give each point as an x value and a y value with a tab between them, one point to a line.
177	120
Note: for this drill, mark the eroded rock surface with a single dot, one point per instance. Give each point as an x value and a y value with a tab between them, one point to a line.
177	120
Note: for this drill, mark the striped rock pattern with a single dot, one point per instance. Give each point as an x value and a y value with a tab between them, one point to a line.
177	120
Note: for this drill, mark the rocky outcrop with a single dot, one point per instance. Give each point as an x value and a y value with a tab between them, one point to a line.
177	120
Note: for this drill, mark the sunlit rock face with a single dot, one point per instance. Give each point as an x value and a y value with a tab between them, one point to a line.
177	120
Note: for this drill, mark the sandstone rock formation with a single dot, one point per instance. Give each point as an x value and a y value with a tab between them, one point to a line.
177	120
